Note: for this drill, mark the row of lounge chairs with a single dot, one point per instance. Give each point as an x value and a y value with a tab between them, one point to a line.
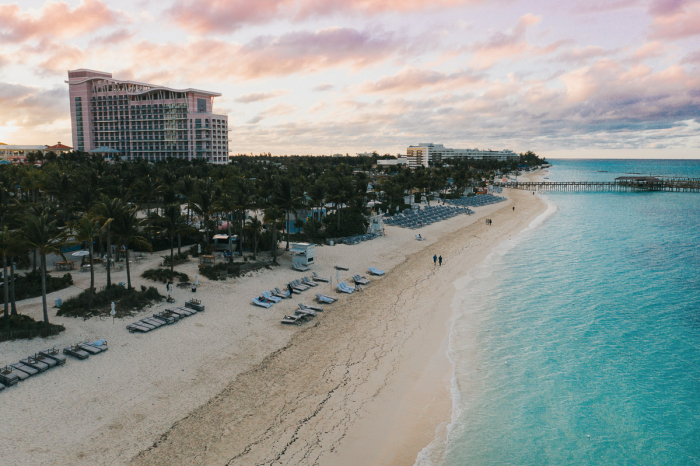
477	201
300	267
269	298
302	314
357	239
166	317
425	216
45	360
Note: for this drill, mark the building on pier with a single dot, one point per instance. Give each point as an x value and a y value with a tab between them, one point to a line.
145	121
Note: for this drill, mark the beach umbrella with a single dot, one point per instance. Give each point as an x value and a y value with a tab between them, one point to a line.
81	253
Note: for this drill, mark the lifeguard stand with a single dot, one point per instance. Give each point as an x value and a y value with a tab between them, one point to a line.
303	253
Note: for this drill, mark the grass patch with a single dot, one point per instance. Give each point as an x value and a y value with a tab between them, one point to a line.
24	327
163	275
128	302
29	285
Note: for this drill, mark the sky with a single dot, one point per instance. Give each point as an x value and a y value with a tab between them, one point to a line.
596	78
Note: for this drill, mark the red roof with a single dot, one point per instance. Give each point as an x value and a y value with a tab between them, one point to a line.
59	146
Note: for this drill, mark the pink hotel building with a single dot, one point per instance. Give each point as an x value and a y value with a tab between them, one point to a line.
145	121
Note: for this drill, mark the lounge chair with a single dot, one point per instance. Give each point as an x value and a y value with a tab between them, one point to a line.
344	288
286	292
376	271
322	298
89	348
297	285
292	320
21	375
138	327
419	238
100	344
24	368
267	295
182	311
195	304
54	354
338	267
41	358
313	308
279	294
305	312
318	279
167	317
8	376
257	302
154	322
300	267
307	281
360	280
76	352
38	365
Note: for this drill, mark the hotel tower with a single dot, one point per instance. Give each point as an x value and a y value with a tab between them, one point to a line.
144	121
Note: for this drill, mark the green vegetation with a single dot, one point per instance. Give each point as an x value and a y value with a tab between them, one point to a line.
29	285
163	275
127	302
24	327
178	259
223	270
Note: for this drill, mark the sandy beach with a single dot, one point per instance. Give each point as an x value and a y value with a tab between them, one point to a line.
366	382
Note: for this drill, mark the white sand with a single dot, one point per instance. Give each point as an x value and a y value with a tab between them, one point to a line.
241	387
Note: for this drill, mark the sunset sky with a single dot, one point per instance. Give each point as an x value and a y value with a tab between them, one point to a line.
616	78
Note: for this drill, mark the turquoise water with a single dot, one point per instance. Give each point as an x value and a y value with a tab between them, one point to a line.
579	343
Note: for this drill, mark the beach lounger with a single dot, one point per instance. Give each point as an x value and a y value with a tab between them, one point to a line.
307	281
322	298
292	320
286	295
167	317
344	288
21	375
76	352
319	279
41	358
260	303
136	327
180	312
33	363
376	271
297	285
29	371
100	344
54	354
338	267
89	348
154	322
305	312
360	280
8	376
269	297
300	267
313	308
195	304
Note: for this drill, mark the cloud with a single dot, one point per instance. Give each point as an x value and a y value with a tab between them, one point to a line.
413	79
578	55
675	19
323	87
56	19
30	106
693	58
116	37
275	110
206	16
649	50
296	52
258	96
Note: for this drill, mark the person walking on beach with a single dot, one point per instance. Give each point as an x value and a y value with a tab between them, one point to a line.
513	208
435	259
440	261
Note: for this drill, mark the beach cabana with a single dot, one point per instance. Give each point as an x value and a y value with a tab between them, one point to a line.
303	253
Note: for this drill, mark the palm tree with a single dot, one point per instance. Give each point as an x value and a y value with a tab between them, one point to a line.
127	230
272	216
107	210
288	199
227	203
44	235
6	247
316	193
255	227
203	204
86	230
174	224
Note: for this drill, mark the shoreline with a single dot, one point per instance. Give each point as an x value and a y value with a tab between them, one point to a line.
340	392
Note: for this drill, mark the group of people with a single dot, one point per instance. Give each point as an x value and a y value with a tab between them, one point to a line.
436	259
488	221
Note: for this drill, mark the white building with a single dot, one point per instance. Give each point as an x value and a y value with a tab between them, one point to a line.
423	153
400	160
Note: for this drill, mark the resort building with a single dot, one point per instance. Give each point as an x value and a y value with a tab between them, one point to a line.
424	153
18	154
145	121
400	160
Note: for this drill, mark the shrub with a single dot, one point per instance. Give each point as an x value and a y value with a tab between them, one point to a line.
127	302
163	275
29	285
180	258
231	270
351	223
24	327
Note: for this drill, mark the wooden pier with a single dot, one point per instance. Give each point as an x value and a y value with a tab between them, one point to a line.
621	184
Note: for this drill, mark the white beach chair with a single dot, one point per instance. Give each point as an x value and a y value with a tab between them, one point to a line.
376	271
257	302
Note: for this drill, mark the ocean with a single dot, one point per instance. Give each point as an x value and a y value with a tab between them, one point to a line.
579	342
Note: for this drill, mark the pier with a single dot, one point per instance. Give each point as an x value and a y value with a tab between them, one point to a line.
621	184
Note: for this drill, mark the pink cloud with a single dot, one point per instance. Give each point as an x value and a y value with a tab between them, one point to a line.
413	79
676	20
56	19
296	52
258	96
577	55
204	16
29	106
649	50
